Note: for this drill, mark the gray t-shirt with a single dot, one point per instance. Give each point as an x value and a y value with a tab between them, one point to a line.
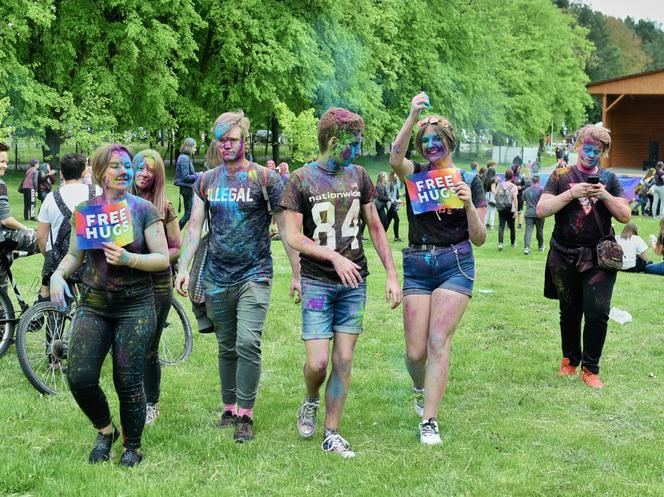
4	206
531	196
239	245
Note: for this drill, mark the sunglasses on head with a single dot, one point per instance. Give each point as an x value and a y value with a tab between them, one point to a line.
434	120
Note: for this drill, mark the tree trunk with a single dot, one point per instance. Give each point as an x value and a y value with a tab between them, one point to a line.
275	139
54	141
380	150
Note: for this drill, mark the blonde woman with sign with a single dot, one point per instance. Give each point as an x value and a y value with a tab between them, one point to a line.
446	211
121	239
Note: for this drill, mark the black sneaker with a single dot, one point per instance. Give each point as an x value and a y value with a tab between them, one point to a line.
101	450
244	430
131	458
227	419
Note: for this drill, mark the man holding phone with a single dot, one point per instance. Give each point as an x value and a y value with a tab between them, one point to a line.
584	199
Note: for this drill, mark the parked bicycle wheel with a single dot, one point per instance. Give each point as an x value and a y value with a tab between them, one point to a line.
176	339
7	323
42	338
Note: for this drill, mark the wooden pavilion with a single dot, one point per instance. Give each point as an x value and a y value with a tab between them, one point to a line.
633	109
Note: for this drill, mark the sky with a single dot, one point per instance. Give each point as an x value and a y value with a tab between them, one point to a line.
637	9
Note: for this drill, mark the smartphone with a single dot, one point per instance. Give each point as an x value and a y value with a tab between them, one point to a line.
593	180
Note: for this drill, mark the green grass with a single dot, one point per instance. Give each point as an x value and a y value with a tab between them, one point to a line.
511	426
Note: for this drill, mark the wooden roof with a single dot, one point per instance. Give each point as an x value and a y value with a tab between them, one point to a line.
645	83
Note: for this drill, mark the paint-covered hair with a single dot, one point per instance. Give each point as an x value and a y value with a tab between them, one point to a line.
443	128
597	133
227	121
157	192
188	146
336	121
102	157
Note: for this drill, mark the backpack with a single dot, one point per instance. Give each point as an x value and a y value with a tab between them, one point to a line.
60	246
503	200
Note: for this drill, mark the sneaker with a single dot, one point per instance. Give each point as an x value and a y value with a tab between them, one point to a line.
591	379
540	249
418	401
398	240
101	450
500	247
514	245
566	369
306	418
526	251
336	443
131	458
429	432
151	413
244	430
227	419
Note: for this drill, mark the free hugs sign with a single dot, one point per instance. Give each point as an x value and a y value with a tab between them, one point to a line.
434	190
97	224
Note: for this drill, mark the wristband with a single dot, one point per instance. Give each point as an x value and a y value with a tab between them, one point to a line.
135	261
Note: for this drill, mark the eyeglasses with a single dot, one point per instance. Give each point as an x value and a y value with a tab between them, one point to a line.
434	120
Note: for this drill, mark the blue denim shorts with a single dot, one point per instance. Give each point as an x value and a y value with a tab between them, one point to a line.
448	268
329	308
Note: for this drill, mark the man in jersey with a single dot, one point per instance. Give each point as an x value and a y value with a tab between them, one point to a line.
325	200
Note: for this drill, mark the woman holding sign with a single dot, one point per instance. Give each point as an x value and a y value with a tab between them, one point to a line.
121	239
445	213
150	178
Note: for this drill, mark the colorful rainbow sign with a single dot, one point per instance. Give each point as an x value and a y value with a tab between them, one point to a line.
97	224
434	190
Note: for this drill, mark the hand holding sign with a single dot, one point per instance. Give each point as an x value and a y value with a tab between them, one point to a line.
117	256
434	190
463	192
98	224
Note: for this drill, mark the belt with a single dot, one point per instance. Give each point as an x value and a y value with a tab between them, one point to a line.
428	247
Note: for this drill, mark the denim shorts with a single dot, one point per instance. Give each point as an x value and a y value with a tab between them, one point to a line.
448	268
329	308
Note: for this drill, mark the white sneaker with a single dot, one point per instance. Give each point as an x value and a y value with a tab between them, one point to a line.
336	443
151	413
526	251
429	432
418	401
306	418
500	247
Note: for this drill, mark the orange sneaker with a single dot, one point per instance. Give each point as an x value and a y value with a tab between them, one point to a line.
591	379
566	369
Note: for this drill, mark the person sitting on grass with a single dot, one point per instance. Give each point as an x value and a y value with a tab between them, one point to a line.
13	234
657	243
635	250
324	201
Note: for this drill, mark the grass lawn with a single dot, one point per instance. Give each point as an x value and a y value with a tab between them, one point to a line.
511	426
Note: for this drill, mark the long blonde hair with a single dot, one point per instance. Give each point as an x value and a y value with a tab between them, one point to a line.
157	191
382	178
102	157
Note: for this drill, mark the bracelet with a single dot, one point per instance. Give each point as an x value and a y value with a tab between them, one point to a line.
135	261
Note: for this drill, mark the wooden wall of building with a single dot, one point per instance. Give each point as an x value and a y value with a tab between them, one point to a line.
634	122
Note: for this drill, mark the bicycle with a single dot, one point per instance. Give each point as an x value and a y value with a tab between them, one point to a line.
44	332
8	317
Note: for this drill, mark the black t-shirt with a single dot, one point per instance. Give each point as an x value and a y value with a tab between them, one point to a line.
447	226
576	225
330	204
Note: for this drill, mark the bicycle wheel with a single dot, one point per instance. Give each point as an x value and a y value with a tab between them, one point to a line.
7	323
41	345
176	339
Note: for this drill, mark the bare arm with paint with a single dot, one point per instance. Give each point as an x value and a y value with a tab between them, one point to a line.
191	241
173	240
475	216
293	258
400	165
68	266
617	206
347	270
156	260
393	292
549	204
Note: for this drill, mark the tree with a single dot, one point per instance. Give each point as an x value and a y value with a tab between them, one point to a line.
5	131
652	37
301	132
99	68
633	58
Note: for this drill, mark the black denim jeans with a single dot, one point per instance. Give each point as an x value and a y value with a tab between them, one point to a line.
163	293
187	194
503	218
124	319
